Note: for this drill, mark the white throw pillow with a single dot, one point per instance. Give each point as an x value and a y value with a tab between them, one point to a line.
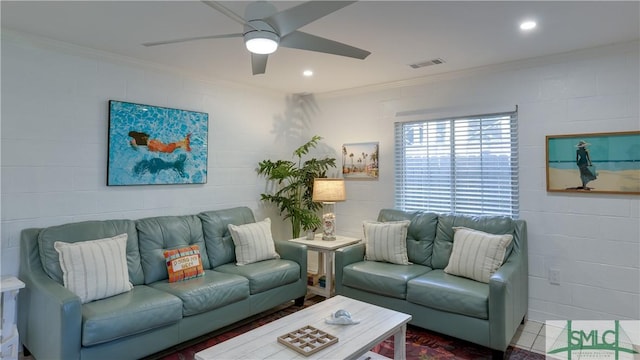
95	269
253	242
476	255
386	241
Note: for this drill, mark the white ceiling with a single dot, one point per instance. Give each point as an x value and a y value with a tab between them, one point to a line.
465	34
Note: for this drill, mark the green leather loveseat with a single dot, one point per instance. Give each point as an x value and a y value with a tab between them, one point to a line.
155	314
485	314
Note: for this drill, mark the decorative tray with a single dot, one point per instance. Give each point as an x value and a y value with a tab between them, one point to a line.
307	340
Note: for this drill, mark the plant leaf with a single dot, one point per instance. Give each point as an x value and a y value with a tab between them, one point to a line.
293	195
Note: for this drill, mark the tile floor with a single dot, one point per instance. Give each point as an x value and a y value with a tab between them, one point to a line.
530	336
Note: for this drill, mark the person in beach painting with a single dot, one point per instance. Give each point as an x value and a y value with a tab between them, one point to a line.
583	160
142	139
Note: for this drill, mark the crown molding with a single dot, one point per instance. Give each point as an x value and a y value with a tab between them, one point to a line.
56	45
599	51
24	39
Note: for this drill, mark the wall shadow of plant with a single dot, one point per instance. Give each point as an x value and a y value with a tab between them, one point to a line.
293	127
295	122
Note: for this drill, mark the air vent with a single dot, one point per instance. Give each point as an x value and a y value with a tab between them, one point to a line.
437	61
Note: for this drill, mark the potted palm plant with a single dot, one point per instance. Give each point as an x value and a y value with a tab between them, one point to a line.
294	186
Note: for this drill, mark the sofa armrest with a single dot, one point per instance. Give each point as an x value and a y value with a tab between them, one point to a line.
295	252
45	301
508	300
343	257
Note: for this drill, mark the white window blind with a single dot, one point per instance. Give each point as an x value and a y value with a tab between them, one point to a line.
466	165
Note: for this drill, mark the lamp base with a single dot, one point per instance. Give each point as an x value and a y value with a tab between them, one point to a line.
329	238
328	222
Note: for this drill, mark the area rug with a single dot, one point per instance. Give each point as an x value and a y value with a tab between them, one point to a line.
421	344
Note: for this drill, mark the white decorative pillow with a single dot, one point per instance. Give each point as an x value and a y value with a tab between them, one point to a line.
477	255
95	269
253	242
386	241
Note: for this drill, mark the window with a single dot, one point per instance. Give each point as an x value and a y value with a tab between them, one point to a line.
466	165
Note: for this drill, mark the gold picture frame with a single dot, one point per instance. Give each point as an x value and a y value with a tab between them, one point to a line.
606	163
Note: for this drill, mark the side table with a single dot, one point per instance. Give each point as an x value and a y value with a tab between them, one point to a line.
326	249
9	286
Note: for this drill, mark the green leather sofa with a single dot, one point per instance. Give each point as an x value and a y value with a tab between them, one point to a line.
485	314
155	315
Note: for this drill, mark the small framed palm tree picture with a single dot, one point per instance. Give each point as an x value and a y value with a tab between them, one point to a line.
360	161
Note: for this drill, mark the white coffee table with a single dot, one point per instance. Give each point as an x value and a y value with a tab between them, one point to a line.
354	341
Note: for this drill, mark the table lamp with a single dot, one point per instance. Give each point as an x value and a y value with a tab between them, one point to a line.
328	192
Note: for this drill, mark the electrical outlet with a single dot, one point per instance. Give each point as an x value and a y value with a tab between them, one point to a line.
554	276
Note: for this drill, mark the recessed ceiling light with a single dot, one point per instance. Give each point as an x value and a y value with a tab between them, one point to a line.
528	25
307	73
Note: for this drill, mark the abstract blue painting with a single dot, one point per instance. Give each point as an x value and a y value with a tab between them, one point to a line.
153	145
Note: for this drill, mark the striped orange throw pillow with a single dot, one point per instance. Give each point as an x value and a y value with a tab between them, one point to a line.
184	263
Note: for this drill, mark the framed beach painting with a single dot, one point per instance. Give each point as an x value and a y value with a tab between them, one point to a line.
153	145
360	161
594	163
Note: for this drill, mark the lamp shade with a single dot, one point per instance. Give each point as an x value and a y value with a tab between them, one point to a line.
328	190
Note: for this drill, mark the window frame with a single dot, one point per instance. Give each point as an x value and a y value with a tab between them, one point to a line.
497	196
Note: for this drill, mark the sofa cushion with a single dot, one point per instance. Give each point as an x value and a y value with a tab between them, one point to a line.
89	230
451	293
155	235
95	269
220	248
184	263
136	311
476	254
386	241
444	236
420	235
381	278
211	291
253	242
265	275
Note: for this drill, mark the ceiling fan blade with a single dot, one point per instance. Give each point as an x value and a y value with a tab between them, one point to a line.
303	41
226	11
287	21
155	43
259	63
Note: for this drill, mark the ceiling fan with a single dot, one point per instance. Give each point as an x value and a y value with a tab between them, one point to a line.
265	29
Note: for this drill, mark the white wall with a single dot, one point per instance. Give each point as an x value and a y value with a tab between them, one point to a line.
54	131
593	239
54	139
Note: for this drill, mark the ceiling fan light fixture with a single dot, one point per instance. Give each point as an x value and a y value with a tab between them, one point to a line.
261	42
528	25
